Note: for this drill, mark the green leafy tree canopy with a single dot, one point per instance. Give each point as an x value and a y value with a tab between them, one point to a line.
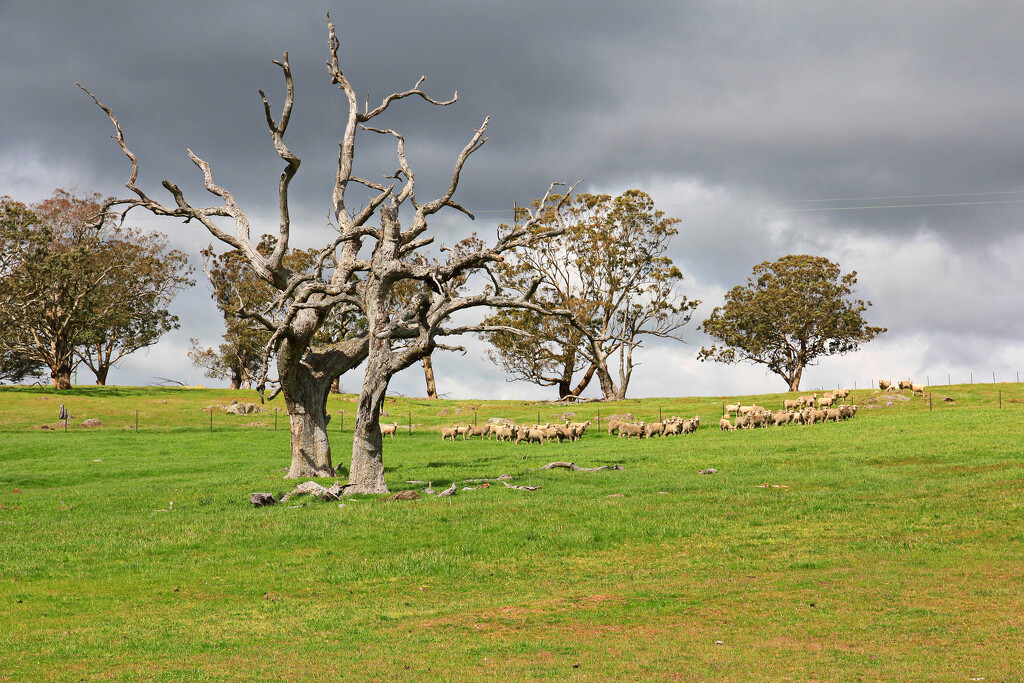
790	313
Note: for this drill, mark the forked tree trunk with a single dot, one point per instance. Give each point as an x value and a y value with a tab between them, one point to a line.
101	375
428	374
794	380
366	474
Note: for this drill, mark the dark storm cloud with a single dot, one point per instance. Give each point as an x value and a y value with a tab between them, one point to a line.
729	113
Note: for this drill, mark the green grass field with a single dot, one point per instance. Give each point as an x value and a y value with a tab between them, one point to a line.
895	552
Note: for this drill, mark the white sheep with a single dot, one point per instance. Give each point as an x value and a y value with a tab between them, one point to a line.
389	430
917	389
725	426
449	433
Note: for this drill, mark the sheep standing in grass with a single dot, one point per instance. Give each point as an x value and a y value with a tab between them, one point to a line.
576	429
826	400
675	427
448	433
917	389
832	414
654	428
808	401
732	408
791	404
843	394
614	426
906	384
629	430
742	422
884	384
725	426
780	418
389	430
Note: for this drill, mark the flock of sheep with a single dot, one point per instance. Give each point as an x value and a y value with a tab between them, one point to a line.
829	407
570	431
886	385
673	426
803	410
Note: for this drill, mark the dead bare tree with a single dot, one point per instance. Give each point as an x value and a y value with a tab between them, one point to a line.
342	283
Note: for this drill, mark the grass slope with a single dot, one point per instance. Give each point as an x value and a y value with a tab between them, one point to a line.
895	552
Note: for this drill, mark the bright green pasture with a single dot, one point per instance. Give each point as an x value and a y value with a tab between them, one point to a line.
891	548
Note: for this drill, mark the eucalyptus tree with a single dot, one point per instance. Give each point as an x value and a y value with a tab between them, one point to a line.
790	313
344	280
610	272
74	286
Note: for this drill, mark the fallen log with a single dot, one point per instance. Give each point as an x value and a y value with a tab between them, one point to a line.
520	488
576	468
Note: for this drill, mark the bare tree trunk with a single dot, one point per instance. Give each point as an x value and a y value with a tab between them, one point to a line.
236	382
101	375
428	374
366	474
336	385
305	397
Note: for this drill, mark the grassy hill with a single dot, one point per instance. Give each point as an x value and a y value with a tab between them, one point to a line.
888	546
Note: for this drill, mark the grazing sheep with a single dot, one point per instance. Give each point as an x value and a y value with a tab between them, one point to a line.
557	432
758	420
477	431
502	433
826	400
614	425
906	384
884	384
390	429
917	389
462	430
729	409
531	435
742	422
817	416
689	426
833	414
652	428
797	417
675	427
448	433
629	430
892	389
791	404
725	426
576	429
781	418
847	411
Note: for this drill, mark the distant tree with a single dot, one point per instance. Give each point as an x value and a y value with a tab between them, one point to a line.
790	313
16	369
50	280
609	272
72	287
132	304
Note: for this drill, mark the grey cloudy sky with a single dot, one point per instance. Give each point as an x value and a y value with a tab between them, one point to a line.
739	118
